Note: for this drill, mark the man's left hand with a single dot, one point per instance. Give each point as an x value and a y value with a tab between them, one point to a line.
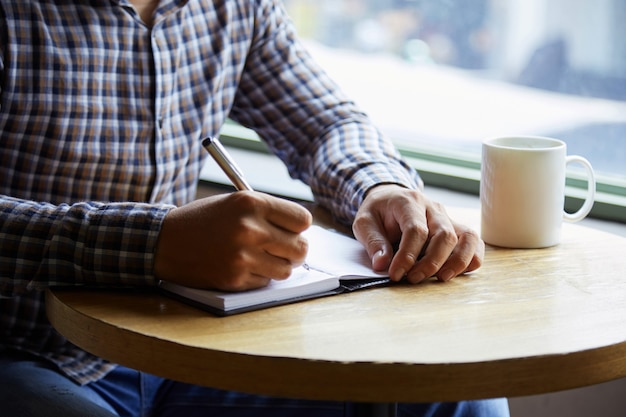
411	236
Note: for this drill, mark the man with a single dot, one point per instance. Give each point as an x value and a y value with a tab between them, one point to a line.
103	107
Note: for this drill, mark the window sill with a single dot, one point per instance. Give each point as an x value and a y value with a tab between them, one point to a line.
265	172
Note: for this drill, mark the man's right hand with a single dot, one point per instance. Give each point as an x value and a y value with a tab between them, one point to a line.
232	242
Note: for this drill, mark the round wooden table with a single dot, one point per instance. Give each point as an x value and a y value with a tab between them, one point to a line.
528	322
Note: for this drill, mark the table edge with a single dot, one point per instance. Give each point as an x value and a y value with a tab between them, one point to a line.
283	376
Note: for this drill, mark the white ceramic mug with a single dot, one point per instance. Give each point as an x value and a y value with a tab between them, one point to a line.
522	191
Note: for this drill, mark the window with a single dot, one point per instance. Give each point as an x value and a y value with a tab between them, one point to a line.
440	76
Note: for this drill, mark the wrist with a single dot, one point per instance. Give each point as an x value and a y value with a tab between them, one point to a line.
383	187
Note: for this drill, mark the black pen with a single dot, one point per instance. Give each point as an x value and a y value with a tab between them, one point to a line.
224	160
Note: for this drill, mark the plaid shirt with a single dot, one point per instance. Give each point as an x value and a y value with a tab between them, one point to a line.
100	125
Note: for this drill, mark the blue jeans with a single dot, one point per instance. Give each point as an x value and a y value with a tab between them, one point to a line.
32	387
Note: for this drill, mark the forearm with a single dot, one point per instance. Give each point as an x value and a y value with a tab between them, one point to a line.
324	138
80	244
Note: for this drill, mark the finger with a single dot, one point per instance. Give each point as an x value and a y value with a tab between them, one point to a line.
254	270
292	247
440	245
287	215
413	239
387	212
272	267
414	236
467	256
369	231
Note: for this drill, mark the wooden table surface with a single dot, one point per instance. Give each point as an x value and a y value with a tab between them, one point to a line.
528	322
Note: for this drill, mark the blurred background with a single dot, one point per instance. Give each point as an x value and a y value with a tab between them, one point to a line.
442	75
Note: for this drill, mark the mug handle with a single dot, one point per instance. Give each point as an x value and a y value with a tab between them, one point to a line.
591	190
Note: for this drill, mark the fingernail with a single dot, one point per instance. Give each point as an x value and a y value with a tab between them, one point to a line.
417	277
399	275
377	256
446	275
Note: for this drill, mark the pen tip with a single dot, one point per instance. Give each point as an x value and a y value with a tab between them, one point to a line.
208	140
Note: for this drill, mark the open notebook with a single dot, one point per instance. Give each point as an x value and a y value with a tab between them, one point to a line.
335	264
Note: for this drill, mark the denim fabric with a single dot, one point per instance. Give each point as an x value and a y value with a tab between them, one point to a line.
32	388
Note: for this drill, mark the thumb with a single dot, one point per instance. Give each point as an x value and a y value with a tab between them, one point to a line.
378	248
